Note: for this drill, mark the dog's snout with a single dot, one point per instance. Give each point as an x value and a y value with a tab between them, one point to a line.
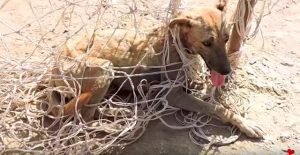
220	62
225	70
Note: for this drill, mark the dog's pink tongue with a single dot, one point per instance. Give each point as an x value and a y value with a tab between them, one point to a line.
217	79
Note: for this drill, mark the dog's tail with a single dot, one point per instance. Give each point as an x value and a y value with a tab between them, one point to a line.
222	5
70	107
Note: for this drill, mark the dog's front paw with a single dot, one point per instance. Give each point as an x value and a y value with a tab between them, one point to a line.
251	129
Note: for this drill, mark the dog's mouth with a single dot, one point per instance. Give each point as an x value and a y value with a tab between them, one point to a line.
216	78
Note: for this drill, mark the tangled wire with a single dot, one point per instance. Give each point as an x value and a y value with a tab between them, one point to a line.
122	118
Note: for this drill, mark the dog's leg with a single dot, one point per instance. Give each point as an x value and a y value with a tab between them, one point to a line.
236	40
70	107
90	77
180	99
93	76
101	75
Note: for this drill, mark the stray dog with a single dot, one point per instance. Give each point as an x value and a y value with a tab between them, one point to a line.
201	33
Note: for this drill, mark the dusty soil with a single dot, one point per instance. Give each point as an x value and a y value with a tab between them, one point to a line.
271	77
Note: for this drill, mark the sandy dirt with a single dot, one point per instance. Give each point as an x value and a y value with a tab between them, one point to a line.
271	76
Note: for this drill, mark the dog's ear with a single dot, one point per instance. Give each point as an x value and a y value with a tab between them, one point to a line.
180	21
222	5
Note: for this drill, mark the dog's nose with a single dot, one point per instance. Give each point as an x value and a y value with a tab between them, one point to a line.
225	70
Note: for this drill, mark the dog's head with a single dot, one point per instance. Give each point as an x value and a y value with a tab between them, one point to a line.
203	32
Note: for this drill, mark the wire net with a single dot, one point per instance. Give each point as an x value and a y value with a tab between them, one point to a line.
31	36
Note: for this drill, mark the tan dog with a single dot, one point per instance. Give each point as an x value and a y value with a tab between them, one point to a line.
201	33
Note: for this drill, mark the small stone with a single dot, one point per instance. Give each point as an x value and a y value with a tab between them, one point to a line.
284	137
287	64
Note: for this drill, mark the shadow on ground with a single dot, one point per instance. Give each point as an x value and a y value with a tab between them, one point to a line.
162	140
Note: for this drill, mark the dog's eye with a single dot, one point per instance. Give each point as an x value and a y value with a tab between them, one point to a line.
226	38
207	43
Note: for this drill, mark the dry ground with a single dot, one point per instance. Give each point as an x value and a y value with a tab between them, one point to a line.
271	78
